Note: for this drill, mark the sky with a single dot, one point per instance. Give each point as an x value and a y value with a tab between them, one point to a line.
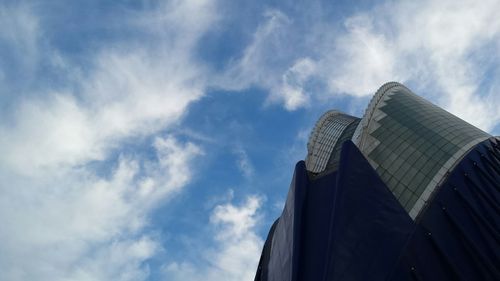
156	140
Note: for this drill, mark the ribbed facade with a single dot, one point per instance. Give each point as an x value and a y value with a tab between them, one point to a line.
325	136
408	192
412	143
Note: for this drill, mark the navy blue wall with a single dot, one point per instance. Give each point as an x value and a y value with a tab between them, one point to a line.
347	225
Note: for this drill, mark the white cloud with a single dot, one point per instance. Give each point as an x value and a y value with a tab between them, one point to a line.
362	61
20	32
129	91
439	46
445	48
126	95
237	246
171	170
292	90
265	63
235	222
259	60
61	219
121	260
67	225
243	161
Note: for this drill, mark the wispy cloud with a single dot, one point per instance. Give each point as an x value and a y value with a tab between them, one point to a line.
236	249
440	47
443	49
293	82
63	111
62	219
262	57
20	35
243	162
67	223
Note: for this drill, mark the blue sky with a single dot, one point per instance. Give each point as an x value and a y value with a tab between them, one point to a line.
155	140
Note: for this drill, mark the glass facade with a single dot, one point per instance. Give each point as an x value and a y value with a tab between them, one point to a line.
413	144
347	133
328	134
410	142
350	217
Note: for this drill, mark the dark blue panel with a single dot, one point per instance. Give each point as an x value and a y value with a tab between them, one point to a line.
285	241
315	230
347	225
343	224
263	267
370	227
458	234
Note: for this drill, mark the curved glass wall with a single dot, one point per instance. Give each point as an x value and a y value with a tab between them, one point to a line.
325	136
412	143
347	133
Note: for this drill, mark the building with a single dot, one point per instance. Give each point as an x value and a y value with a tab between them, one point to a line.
325	142
407	192
411	143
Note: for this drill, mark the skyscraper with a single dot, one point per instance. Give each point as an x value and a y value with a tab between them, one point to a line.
408	191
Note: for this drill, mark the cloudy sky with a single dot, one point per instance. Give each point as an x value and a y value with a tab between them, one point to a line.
155	140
